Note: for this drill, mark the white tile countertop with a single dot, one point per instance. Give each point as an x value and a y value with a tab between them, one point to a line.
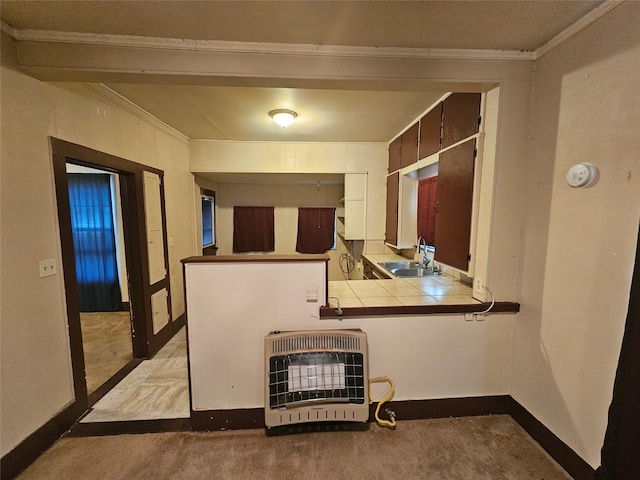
436	290
397	292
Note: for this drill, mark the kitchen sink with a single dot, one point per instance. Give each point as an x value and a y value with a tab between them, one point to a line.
402	265
409	269
415	272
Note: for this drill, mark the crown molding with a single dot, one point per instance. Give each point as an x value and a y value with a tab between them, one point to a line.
117	99
8	29
217	46
577	27
264	48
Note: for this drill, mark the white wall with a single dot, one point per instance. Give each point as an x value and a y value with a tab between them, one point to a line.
292	157
579	244
286	198
36	365
233	306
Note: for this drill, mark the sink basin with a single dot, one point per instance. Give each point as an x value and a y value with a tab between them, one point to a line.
415	272
402	265
409	269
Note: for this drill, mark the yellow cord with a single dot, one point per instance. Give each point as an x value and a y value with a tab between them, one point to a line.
392	416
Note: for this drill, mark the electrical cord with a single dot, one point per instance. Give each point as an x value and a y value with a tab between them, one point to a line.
338	309
391	423
493	302
345	258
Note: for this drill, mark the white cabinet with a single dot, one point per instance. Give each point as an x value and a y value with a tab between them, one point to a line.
353	210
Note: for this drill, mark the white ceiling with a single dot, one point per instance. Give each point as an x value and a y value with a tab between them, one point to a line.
324	114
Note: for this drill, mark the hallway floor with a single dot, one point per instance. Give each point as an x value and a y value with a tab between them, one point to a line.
106	341
158	388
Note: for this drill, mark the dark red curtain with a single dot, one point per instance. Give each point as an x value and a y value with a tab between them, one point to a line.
316	229
253	229
427	191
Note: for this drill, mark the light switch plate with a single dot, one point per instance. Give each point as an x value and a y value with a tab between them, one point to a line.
312	293
48	267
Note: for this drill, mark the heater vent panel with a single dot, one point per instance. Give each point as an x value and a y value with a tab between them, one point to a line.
316	376
315	342
301	378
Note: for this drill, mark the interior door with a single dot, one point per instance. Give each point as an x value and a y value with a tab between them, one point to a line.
156	250
454	205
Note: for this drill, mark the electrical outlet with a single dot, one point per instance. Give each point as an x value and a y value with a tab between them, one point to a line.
478	287
312	293
48	267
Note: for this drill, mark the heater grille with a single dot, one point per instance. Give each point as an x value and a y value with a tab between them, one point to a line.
316	376
315	342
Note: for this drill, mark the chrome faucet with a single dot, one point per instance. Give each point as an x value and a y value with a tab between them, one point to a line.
422	241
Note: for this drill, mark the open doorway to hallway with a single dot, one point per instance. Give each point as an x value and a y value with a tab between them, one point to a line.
101	272
146	325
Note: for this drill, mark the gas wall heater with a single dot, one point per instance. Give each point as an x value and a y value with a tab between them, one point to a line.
316	376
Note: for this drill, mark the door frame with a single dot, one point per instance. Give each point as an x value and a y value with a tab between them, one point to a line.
145	343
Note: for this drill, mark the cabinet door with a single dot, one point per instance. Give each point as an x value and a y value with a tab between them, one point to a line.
460	117
395	148
409	150
355	195
454	205
430	126
391	232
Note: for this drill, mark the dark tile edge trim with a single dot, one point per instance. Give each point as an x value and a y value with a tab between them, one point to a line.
498	307
35	444
97	429
556	448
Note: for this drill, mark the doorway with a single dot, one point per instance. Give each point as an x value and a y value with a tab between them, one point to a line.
100	261
144	339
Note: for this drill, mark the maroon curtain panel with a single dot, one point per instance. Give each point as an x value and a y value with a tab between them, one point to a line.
253	229
427	194
316	229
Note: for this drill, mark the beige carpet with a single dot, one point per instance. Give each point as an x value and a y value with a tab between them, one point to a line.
492	447
106	340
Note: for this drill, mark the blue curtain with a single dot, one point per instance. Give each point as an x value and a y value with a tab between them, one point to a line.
94	242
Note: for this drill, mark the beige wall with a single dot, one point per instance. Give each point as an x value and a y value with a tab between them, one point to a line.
565	254
298	158
286	198
36	367
579	244
439	356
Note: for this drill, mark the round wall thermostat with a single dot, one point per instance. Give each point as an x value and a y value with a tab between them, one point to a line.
582	175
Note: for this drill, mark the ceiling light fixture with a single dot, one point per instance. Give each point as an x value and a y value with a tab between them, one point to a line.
283	118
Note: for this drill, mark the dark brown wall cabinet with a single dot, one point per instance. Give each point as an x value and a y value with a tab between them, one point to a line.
391	231
460	117
409	150
430	130
395	149
403	151
454	205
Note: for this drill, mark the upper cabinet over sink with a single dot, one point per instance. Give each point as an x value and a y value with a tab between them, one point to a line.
460	117
439	137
